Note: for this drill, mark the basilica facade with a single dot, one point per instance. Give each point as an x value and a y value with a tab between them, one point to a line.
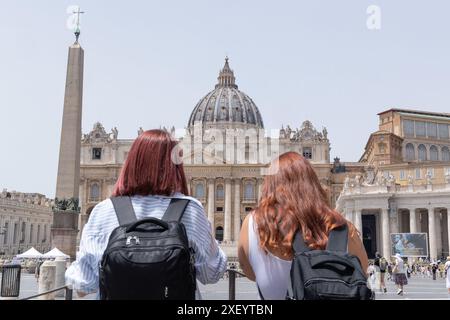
226	150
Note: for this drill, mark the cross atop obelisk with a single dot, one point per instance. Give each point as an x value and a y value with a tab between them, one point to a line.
77	30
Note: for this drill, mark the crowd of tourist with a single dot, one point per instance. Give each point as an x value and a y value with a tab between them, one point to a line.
398	270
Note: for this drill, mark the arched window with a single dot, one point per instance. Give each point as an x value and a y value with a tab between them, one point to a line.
445	154
249	191
94	194
410	152
434	153
219	234
199	190
219	192
422	153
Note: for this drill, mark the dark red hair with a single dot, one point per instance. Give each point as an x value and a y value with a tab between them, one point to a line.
292	198
150	167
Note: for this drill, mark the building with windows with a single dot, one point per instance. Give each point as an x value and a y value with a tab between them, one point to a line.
406	182
226	149
25	222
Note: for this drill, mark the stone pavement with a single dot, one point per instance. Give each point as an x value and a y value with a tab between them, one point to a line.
418	288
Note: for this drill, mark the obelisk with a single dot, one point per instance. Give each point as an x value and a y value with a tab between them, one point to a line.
66	209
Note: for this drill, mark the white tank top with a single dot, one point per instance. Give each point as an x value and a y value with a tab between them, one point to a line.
271	272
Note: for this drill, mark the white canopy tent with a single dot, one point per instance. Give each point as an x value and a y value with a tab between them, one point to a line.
31	253
55	253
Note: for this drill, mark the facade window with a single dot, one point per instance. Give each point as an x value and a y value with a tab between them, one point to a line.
402	175
219	209
445	154
443	131
408	128
5	230
418	174
248	209
249	191
199	191
410	152
38	236
434	153
420	129
94	194
422	153
307	152
220	194
45	233
432	129
430	172
446	171
96	153
125	155
219	234
381	148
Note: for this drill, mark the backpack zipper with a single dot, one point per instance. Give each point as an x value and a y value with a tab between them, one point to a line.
333	280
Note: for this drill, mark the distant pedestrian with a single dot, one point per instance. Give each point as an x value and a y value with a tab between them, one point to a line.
434	268
37	271
447	270
381	266
399	274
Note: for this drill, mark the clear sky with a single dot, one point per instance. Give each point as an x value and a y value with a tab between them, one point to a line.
147	63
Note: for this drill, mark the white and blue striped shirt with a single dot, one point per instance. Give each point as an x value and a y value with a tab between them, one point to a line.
210	260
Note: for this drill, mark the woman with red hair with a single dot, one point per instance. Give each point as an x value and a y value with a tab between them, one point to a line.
152	175
292	199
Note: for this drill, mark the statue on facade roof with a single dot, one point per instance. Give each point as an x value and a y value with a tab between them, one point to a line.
115	133
140	131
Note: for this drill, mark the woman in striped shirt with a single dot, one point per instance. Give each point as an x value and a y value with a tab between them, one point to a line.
151	178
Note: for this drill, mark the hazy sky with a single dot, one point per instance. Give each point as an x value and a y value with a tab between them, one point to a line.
147	63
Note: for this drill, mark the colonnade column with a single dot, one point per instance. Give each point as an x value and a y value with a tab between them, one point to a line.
412	220
237	208
227	220
385	232
432	233
211	204
448	226
358	221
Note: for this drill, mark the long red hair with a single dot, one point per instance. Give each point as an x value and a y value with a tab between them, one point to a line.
292	198
151	168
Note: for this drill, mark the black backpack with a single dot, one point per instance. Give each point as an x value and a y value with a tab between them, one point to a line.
148	259
330	274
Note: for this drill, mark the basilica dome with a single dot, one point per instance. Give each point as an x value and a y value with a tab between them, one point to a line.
226	104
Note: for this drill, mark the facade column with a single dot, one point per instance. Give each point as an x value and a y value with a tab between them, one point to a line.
237	209
385	233
358	221
438	233
348	215
412	220
211	204
448	227
259	188
227	220
432	233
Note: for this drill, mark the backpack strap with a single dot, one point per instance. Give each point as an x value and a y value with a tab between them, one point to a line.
299	244
338	239
124	210
175	210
